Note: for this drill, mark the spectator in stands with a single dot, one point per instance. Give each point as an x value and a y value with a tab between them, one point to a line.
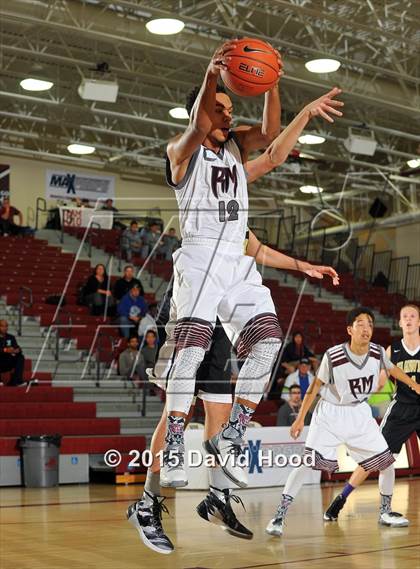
289	410
131	308
131	242
152	240
126	283
295	351
146	323
302	376
11	357
96	292
109	206
7	220
170	244
149	349
131	364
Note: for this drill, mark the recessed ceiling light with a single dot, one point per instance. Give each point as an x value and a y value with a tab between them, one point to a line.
311	189
322	65
179	113
414	163
31	84
77	148
311	139
165	26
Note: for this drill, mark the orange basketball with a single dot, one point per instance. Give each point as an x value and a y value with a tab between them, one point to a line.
253	68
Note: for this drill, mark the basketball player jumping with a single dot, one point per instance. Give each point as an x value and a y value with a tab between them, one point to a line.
347	375
401	419
213	386
207	170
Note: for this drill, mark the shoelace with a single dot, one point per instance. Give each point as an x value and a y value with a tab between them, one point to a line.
236	450
157	509
236	499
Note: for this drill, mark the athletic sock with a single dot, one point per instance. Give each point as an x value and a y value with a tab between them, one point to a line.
239	418
347	490
385	506
286	501
152	484
175	430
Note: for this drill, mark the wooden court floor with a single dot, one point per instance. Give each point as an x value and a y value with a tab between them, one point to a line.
84	527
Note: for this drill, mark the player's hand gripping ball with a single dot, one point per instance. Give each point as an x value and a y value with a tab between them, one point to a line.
253	67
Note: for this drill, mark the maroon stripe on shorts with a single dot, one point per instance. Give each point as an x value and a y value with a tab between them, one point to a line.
379	461
321	463
192	333
260	328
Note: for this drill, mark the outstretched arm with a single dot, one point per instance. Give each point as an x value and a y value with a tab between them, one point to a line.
269	257
261	135
280	149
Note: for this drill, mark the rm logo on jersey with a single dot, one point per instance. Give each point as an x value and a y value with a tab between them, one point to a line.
361	385
221	178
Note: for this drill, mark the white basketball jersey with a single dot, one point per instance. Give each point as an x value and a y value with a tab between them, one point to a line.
213	196
348	381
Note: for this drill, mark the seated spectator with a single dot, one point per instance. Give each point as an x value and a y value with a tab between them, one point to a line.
302	377
170	244
131	363
126	283
152	240
96	293
130	310
288	412
131	242
149	349
7	220
11	357
295	351
109	206
146	323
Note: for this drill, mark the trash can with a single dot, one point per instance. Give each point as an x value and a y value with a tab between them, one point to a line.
40	455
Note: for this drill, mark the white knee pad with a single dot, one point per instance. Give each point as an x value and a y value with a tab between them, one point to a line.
256	370
181	380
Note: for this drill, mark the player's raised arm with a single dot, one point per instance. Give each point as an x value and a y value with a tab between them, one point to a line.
269	257
261	135
182	147
279	150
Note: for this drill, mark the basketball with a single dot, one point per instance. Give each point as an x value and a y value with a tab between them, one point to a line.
253	68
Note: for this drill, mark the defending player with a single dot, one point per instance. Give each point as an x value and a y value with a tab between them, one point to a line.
347	375
400	421
214	388
208	170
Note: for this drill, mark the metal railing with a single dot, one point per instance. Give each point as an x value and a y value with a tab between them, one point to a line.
57	326
41	207
23	304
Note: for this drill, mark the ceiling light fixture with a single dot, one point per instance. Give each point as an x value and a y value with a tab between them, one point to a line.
322	65
77	148
179	113
31	84
311	139
311	189
165	26
414	163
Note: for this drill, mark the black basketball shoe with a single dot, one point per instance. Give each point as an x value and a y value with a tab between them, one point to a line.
331	514
146	516
214	510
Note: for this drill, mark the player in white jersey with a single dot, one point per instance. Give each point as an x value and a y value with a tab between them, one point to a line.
209	174
401	419
348	374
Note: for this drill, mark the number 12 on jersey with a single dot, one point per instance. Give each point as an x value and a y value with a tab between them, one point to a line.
231	209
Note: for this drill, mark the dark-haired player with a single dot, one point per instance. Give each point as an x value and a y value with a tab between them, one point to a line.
401	419
214	389
208	169
348	374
